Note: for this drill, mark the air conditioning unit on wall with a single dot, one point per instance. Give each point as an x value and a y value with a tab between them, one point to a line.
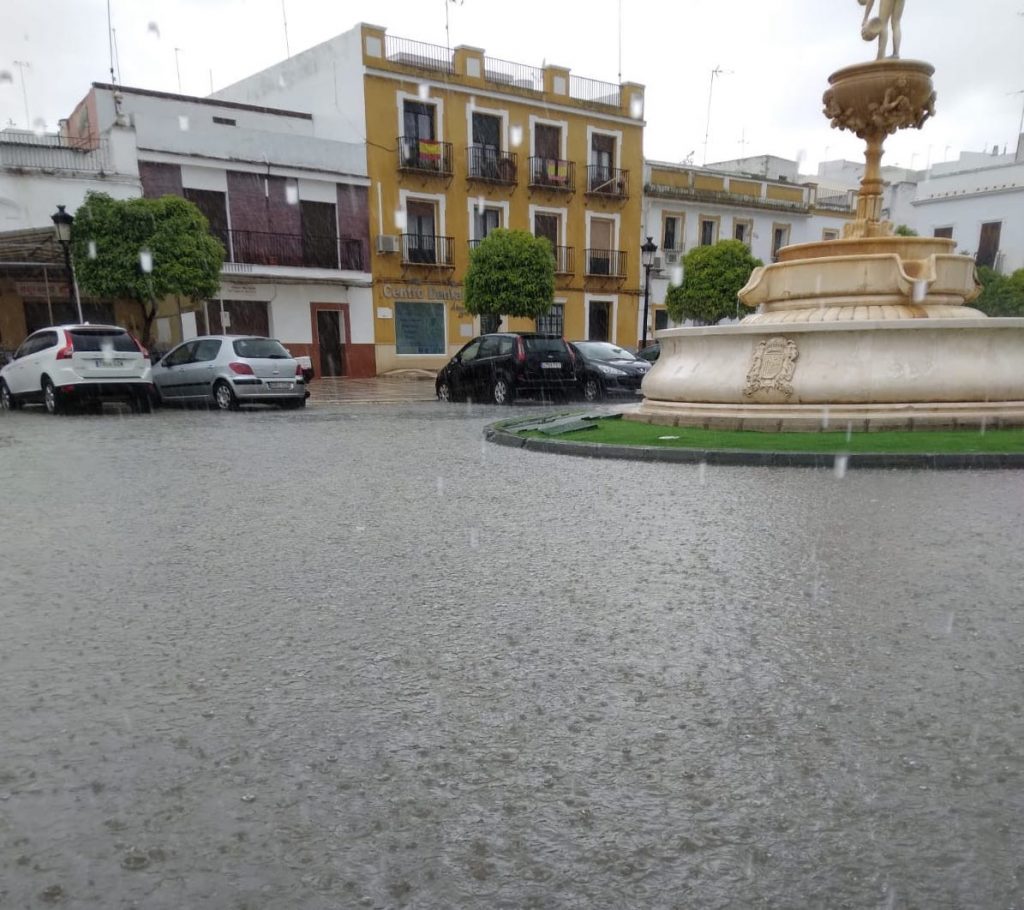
388	243
657	264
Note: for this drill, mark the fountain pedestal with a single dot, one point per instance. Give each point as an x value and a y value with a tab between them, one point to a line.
872	330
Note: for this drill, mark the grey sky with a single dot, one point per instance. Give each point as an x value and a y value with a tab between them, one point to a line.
777	55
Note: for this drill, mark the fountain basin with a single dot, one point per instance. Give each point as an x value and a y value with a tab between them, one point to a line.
880	373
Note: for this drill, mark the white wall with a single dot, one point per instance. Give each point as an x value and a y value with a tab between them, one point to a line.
28	200
326	80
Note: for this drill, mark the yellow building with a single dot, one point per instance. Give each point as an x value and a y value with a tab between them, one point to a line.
458	144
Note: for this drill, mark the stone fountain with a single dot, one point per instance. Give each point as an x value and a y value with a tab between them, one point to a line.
871	331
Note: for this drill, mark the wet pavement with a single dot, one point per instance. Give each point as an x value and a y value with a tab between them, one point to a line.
356	657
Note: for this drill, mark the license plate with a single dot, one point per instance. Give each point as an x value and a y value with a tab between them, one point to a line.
551	366
279	385
108	364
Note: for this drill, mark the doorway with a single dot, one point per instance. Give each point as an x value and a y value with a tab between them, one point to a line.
599	321
330	335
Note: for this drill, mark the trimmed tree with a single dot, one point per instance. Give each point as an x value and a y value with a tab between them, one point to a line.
1001	295
712	279
511	273
145	250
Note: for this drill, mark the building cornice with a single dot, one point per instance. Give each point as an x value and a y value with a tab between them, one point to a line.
156	156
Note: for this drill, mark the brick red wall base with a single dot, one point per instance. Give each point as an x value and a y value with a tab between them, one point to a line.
361	360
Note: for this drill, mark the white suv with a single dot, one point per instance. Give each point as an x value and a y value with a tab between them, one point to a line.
77	365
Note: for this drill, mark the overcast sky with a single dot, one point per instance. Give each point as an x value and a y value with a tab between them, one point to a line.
776	58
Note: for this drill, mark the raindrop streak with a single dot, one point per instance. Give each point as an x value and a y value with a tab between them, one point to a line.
824	418
920	291
92	249
39	126
702	472
153	28
474	538
440	486
949	624
849	430
146	261
5	76
842	461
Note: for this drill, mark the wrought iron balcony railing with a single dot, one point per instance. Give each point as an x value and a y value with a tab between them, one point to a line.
425	156
607	181
565	260
606	263
316	251
492	164
427	249
553	174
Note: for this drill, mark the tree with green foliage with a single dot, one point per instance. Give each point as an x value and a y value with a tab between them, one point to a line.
712	279
145	250
1001	295
511	273
903	231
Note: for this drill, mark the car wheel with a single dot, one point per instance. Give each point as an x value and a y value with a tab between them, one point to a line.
7	400
592	390
53	400
224	396
501	391
444	391
293	404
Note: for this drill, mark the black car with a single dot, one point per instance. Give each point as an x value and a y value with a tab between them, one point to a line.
609	370
500	366
650	353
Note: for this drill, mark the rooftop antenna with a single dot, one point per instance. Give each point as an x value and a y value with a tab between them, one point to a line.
177	66
1020	129
743	143
284	18
717	71
447	33
22	66
620	42
117	55
110	41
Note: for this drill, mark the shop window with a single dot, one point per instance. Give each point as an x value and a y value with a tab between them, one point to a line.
419	328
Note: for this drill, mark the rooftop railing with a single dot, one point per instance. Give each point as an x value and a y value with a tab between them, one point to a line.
52	152
594	91
418	54
518	75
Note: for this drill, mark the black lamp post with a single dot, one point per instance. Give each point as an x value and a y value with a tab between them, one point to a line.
62	221
647	251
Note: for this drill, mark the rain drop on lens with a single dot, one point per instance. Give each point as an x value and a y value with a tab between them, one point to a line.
400	220
92	249
920	291
424	91
183	123
291	194
153	29
636	107
840	466
516	136
677	275
146	261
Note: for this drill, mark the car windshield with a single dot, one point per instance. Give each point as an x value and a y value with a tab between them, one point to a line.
603	350
93	340
260	348
536	344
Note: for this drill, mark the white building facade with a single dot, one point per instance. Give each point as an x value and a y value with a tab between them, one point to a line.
686	206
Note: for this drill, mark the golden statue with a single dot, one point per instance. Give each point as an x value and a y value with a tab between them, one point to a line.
889	14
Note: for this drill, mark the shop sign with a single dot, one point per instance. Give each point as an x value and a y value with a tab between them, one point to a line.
421	292
40	290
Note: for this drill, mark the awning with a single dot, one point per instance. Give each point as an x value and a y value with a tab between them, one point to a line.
33	247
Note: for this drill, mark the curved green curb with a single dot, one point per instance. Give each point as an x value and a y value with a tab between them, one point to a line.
497	434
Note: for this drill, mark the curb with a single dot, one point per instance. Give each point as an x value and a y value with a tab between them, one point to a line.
872	460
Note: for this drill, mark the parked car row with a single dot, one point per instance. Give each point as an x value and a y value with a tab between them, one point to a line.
73	367
500	366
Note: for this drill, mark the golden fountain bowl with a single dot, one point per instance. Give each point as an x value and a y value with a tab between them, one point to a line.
880	97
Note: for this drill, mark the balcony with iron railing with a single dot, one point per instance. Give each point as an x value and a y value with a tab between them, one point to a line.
53	152
553	174
427	249
565	260
425	156
492	165
607	181
606	263
316	251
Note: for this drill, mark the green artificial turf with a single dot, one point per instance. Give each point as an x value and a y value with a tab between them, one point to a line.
614	431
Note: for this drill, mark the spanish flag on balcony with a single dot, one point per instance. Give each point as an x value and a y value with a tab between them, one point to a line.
557	171
430	151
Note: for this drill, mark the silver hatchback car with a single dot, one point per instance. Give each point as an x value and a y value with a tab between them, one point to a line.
229	370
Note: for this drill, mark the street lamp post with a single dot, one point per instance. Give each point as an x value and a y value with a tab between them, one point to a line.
62	221
647	251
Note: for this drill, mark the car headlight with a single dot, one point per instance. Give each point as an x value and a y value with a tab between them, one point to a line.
610	371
